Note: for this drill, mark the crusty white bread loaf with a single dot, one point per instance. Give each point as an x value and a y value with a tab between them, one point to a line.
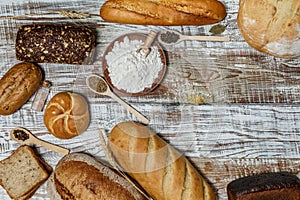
67	115
161	12
163	172
272	27
22	173
80	176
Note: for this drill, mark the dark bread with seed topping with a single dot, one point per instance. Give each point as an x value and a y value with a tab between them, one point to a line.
277	186
55	43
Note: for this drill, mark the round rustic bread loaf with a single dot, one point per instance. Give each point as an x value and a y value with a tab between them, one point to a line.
67	115
272	27
81	176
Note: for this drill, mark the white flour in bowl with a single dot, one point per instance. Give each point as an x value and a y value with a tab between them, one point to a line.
130	70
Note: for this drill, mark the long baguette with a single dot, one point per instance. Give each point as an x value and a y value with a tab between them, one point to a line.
162	171
162	12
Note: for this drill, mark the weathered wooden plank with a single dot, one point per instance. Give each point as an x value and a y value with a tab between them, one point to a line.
241	131
210	79
249	138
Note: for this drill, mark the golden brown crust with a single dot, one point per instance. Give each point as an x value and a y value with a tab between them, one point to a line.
80	176
25	166
18	84
161	12
67	115
161	170
271	27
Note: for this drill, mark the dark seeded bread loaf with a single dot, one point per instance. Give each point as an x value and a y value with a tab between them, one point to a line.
22	173
55	43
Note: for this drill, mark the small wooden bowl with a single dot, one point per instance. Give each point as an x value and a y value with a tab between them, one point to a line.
134	36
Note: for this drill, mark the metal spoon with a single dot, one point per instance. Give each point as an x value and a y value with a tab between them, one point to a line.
98	85
171	37
23	136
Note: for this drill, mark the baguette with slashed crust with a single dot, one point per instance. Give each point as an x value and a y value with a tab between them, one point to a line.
162	171
163	12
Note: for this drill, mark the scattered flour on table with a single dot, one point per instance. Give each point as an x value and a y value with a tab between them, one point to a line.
130	70
286	45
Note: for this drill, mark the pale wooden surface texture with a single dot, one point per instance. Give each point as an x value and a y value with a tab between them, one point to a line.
249	122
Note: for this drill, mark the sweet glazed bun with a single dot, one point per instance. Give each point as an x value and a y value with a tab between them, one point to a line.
271	27
67	115
161	12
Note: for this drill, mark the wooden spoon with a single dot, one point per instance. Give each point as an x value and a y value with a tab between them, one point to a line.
148	42
98	85
171	37
23	136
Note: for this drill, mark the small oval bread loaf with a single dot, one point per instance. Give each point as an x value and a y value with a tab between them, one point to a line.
80	176
162	171
271	27
18	84
67	115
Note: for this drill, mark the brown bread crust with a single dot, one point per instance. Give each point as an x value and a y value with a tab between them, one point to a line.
17	86
279	186
80	176
271	27
67	115
26	167
161	170
164	13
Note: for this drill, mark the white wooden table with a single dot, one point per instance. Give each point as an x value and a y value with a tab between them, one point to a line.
231	110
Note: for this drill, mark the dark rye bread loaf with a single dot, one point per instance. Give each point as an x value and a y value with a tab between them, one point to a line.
55	43
277	186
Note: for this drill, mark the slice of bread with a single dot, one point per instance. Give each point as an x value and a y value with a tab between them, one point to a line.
22	173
